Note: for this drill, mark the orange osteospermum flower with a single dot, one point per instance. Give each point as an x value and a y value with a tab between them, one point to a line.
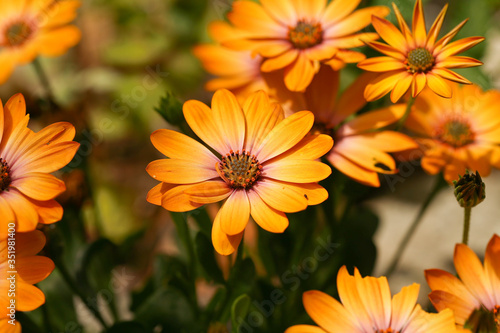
237	71
264	165
361	146
35	27
459	133
476	289
299	35
415	58
27	189
29	268
367	307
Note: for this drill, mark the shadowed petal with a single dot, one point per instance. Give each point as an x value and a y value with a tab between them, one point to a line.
223	243
265	216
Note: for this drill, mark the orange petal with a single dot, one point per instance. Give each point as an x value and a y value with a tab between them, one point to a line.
352	99
372	120
234	213
229	118
175	199
328	312
309	148
50	159
29	243
436	27
299	74
26	215
28	297
200	118
403	304
63	13
253	19
404	27
450	75
280	61
179	146
39	186
265	216
376	298
389	33
449	36
418	84
321	95
353	170
49	211
471	272
296	171
304	329
312	9
57	41
34	269
349	56
492	265
261	117
369	158
352	41
208	192
419	32
443	300
458	62
384	83
438	85
458	46
7	327
337	10
314	193
401	88
282	11
180	171
223	243
320	52
388	141
285	135
387	50
272	48
356	21
381	64
280	196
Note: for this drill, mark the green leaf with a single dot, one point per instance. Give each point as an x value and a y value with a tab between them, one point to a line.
206	257
239	310
170	109
169	309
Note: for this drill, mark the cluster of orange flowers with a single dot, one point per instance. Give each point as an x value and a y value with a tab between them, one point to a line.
27	159
263	150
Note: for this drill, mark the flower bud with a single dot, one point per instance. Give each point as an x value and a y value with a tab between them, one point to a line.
469	189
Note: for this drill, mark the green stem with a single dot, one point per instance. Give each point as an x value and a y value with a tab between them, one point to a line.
402	121
465	236
440	183
44	80
74	287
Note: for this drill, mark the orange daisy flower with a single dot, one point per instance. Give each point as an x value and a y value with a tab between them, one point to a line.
361	146
416	58
476	293
459	133
29	268
299	35
367	307
35	27
237	71
27	189
264	165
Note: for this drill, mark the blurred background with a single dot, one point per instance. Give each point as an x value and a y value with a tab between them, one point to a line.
133	53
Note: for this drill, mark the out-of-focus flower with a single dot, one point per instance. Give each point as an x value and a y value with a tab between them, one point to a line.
27	270
35	27
474	297
237	71
263	165
367	307
299	35
27	189
459	133
416	59
361	146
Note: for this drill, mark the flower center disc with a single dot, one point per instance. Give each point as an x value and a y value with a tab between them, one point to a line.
305	35
4	176
456	133
239	170
419	60
17	34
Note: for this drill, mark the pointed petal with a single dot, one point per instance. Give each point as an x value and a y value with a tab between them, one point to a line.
299	74
438	85
436	27
381	64
450	75
223	243
458	62
387	50
449	36
401	88
390	34
403	304
280	195
418	84
234	213
418	28
353	170
180	171
356	21
337	10
458	46
285	135
229	118
383	83
405	30
265	216
179	146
